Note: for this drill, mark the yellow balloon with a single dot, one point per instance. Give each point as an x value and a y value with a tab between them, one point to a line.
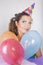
8	35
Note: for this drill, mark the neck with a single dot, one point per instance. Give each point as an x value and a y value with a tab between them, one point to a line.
20	36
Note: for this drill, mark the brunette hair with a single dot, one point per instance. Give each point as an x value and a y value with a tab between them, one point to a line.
12	25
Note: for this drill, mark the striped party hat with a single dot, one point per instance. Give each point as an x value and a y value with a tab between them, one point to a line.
30	9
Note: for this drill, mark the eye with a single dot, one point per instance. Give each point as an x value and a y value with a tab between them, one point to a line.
30	23
23	21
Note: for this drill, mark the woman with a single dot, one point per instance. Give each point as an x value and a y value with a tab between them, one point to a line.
19	25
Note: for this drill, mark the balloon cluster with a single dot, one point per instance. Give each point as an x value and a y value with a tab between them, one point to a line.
13	52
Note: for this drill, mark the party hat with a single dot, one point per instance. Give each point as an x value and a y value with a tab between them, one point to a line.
30	9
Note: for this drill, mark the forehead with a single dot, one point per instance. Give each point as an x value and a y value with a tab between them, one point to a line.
25	17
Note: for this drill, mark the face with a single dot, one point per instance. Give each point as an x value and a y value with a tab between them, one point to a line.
24	24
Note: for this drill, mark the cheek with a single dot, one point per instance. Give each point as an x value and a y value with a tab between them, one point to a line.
21	26
29	27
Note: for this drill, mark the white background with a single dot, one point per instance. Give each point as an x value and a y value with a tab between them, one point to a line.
9	7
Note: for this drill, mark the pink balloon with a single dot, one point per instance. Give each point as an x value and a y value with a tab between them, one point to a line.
12	51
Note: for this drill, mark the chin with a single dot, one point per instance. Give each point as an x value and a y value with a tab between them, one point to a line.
25	32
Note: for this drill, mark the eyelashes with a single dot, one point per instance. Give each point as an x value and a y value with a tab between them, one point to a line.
30	22
26	21
23	21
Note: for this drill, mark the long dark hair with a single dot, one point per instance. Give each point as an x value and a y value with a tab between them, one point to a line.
12	25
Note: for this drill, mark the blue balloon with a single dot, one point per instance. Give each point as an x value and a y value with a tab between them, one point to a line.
31	42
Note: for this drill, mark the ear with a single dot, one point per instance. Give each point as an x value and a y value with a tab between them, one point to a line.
16	23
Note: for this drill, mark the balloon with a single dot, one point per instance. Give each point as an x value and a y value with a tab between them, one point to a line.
25	62
38	61
12	51
7	35
31	41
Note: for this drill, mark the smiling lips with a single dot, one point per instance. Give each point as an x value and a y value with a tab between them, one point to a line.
26	29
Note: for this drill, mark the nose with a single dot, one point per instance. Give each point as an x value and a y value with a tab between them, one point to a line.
28	26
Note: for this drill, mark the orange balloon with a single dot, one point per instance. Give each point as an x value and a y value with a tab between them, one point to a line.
8	35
